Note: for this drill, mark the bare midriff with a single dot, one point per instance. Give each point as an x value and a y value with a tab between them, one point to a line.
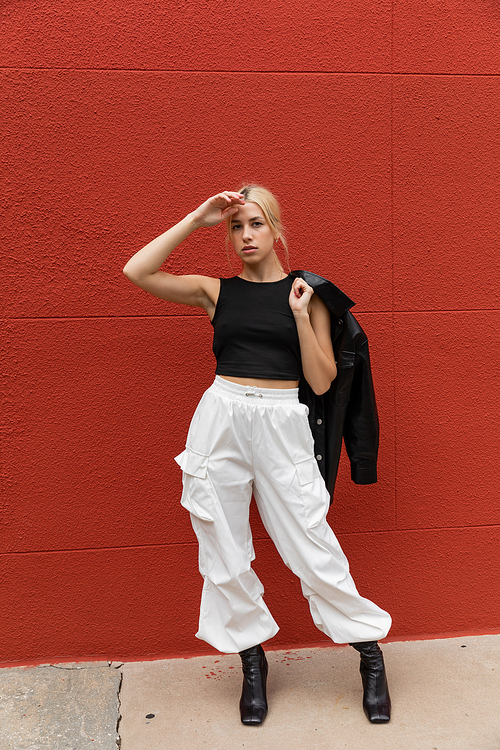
262	382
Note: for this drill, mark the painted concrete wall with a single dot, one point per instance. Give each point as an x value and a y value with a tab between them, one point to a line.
377	124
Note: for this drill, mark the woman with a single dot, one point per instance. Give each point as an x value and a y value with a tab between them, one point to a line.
250	434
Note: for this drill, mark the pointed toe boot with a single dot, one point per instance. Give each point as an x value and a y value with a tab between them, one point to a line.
253	703
376	700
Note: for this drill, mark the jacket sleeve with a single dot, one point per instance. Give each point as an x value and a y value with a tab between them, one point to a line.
361	426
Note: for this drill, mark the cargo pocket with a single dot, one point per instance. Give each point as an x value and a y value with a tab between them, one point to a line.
314	494
307	470
196	491
193	463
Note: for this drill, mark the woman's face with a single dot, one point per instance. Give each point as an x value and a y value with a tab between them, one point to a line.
252	236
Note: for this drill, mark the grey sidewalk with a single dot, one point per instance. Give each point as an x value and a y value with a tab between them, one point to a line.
445	694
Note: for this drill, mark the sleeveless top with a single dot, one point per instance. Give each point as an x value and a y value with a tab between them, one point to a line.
255	335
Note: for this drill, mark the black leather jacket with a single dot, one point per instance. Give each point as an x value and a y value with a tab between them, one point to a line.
348	409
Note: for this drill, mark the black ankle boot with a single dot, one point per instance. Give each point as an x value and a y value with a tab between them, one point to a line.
376	700
253	703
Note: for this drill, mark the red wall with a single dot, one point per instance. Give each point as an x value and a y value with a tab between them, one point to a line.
378	126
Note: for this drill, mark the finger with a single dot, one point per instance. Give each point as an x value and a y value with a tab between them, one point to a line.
229	211
238	197
300	287
303	285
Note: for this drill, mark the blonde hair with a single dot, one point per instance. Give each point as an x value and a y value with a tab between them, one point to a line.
270	207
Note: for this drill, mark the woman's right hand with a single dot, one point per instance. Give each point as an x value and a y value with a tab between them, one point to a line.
217	208
143	268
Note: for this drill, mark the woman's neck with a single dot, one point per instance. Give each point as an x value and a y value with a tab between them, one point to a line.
270	271
262	279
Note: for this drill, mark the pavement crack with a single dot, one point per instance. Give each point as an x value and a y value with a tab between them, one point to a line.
119	718
76	666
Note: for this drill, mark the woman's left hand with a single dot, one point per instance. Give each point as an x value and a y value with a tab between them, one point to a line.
300	297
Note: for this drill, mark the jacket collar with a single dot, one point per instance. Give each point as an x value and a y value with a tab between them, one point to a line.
336	301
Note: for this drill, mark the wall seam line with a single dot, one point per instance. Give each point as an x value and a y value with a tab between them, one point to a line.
391	311
393	318
99	549
220	71
257	539
389	73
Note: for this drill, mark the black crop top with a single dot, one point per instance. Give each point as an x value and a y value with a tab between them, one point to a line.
255	335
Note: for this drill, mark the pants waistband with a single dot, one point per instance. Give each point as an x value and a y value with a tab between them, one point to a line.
251	393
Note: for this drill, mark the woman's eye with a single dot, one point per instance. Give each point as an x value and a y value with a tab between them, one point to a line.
236	227
257	223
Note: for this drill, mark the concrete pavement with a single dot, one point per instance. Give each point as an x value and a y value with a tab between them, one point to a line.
60	707
445	695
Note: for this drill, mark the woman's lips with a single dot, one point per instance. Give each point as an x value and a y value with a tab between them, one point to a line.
249	249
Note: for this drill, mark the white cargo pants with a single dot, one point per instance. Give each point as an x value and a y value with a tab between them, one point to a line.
242	440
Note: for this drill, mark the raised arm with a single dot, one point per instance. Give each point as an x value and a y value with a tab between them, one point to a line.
313	326
143	268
